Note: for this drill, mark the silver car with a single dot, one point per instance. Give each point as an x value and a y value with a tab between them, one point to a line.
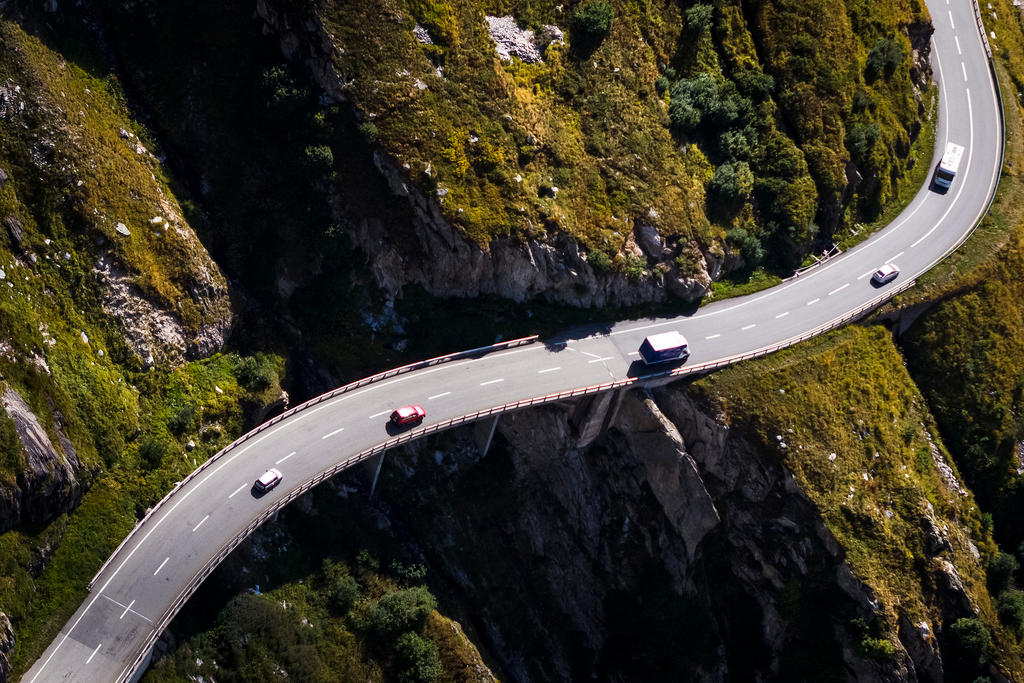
885	274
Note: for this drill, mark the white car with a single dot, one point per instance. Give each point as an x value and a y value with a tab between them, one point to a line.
886	273
268	480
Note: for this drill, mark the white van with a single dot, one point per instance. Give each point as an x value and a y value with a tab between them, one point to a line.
948	165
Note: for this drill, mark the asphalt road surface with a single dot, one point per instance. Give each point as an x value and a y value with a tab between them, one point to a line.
142	585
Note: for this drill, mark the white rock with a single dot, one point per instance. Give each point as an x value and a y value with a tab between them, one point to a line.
123	229
218	389
85	338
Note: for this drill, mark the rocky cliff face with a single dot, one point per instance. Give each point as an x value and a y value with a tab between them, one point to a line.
52	480
671	547
6	646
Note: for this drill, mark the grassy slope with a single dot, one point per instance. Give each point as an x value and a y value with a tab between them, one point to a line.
591	120
848	394
73	177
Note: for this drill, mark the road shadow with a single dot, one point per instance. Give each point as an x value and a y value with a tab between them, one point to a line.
639	369
394	430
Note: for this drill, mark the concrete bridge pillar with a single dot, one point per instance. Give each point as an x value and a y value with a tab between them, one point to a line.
593	416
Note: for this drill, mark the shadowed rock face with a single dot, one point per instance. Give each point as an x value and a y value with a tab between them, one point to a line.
667	547
52	479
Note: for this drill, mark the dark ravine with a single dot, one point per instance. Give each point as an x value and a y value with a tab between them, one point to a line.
671	547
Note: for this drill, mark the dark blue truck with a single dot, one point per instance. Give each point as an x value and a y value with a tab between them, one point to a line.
661	348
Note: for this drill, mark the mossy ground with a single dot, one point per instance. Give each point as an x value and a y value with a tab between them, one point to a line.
845	417
794	99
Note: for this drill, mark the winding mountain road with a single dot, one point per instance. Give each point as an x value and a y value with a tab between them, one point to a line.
174	548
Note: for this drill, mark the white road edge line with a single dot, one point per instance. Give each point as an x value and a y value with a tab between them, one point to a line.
782	315
376	415
127	609
492	381
431	398
200	523
330	434
238	490
541	372
278	462
839	289
94	653
161	566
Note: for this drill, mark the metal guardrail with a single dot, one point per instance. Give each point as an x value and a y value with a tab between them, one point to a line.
981	28
680	372
387	374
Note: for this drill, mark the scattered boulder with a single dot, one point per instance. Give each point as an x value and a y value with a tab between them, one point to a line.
510	41
123	229
3	178
422	35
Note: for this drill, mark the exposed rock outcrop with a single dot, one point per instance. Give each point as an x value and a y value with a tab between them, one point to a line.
6	646
159	335
446	264
52	480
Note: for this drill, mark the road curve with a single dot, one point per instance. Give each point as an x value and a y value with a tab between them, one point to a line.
167	555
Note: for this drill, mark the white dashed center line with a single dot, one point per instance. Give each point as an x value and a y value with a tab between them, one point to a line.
278	462
330	434
964	70
238	490
431	398
633	353
541	372
94	653
813	301
376	415
951	24
713	336
839	289
599	360
200	523
493	381
958	50
782	315
126	609
861	277
749	326
897	256
161	566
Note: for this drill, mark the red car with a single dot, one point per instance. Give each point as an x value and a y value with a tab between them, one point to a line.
408	415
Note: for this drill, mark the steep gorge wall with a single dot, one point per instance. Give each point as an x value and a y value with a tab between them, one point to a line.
674	546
